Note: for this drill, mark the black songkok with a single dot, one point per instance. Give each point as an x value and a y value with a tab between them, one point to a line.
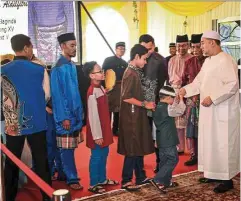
196	38
182	38
172	45
66	37
120	44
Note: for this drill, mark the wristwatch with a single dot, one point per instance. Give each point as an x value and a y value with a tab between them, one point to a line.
143	104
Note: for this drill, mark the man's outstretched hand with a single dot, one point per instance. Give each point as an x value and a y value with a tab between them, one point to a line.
207	102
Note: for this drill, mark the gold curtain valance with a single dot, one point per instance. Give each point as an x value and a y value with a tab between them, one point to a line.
179	8
190	8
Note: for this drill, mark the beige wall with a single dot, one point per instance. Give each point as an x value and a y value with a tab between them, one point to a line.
164	25
203	22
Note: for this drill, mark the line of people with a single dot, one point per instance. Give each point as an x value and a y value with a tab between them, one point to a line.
139	96
29	112
183	69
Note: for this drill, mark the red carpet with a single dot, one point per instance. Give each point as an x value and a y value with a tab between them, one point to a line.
114	167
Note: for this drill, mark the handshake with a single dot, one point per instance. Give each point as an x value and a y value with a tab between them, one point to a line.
206	101
150	105
182	92
178	98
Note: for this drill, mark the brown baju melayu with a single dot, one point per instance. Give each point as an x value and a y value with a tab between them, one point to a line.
135	138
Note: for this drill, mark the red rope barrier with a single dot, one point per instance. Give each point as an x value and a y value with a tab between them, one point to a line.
35	178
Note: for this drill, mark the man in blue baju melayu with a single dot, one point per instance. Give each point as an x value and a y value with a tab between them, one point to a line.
67	107
25	89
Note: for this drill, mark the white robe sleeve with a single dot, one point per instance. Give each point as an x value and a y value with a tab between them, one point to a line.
46	85
193	88
176	109
229	78
94	118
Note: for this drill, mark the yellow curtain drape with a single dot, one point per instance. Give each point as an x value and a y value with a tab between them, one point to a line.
190	8
143	17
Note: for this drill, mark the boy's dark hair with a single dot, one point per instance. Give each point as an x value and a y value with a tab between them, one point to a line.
162	96
88	67
19	41
146	38
138	50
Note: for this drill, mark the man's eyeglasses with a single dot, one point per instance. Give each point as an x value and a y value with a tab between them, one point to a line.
101	71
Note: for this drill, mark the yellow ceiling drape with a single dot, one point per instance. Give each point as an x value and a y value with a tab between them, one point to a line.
143	17
190	8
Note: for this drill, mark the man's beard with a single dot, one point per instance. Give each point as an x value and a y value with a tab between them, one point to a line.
73	54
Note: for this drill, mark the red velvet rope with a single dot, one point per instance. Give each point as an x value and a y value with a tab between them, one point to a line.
35	178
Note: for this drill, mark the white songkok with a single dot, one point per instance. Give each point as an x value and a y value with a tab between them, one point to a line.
211	34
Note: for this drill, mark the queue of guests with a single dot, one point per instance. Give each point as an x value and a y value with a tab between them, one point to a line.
51	118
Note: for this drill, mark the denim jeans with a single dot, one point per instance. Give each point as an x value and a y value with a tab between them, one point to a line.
97	167
168	161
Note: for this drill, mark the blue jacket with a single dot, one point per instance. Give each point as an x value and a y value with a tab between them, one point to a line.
24	98
66	101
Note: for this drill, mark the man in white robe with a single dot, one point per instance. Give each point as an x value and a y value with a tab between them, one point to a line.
219	120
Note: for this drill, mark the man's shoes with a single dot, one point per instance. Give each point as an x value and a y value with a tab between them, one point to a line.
222	188
145	181
206	180
191	161
158	186
130	187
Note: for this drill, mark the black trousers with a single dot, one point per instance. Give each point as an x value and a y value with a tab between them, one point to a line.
37	143
133	163
115	121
